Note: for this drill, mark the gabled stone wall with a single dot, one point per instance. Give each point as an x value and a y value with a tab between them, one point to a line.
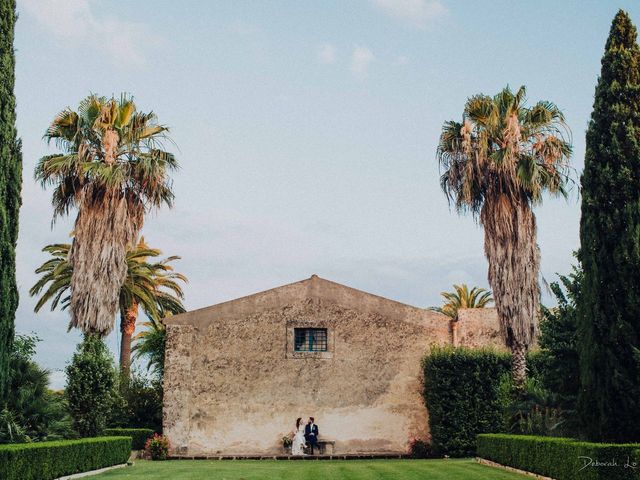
234	386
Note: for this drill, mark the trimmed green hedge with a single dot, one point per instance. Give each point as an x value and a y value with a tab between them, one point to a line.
138	435
461	395
562	458
49	460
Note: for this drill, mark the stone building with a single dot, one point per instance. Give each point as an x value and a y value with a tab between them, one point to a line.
239	373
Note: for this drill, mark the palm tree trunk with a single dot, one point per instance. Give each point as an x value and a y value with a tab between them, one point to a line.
107	225
519	366
127	327
514	264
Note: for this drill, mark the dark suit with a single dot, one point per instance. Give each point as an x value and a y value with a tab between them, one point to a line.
311	435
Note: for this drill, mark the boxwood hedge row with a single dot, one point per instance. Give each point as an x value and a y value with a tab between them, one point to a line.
49	460
562	458
138	435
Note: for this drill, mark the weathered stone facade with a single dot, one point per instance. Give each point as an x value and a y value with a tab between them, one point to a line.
477	327
234	383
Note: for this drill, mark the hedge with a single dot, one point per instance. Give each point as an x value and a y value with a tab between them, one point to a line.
138	435
562	458
461	395
49	460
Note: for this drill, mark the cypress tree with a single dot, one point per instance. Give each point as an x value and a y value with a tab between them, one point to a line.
10	184
609	311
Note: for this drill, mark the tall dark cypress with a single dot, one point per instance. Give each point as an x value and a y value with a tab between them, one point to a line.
609	311
10	184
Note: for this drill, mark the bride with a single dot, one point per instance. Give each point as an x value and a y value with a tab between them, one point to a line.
299	441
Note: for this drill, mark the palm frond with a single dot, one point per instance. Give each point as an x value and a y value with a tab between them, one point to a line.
152	285
462	297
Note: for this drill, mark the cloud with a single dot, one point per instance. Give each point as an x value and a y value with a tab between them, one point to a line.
76	23
361	60
327	53
416	13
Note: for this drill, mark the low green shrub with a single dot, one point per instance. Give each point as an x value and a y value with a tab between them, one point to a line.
461	392
49	460
562	458
138	435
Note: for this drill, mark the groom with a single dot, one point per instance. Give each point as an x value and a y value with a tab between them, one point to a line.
311	434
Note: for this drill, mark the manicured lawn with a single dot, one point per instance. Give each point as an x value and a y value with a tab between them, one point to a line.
465	469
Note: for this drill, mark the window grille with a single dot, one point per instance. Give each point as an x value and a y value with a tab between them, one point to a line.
310	339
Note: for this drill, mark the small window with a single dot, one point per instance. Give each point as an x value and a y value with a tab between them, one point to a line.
310	339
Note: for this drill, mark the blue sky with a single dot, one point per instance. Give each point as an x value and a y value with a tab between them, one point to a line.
306	131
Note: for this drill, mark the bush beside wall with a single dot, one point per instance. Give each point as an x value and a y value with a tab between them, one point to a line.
138	435
461	395
90	389
561	458
49	460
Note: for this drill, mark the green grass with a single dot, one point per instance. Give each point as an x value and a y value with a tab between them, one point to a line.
458	469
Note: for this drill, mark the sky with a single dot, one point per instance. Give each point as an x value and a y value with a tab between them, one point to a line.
306	133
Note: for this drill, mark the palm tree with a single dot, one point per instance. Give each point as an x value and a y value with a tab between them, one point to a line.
498	161
112	169
462	297
152	286
150	343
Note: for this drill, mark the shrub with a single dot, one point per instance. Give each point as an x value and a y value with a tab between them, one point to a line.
533	411
32	412
418	448
138	403
10	430
560	369
157	447
562	458
138	436
90	386
49	460
461	395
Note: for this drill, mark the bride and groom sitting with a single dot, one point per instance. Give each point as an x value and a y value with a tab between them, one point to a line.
303	435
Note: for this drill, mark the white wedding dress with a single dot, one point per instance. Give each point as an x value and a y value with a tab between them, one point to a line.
297	446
